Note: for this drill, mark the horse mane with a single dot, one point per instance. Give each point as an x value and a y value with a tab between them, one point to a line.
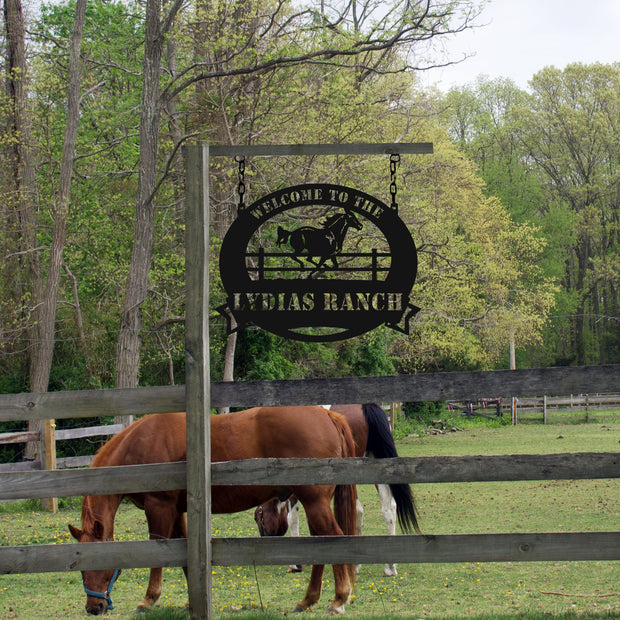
103	455
88	514
102	458
330	219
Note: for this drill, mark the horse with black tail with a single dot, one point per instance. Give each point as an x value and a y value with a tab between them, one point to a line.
373	437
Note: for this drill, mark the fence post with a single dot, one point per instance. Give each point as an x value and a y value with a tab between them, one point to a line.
544	409
514	410
48	460
393	415
587	408
375	265
198	389
261	263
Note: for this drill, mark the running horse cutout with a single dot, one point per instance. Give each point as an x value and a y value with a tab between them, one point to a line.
373	437
325	242
284	432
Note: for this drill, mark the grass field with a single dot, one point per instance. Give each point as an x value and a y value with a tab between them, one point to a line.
528	591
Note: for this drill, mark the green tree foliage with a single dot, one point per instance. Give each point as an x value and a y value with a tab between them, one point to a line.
231	75
570	129
552	157
479	278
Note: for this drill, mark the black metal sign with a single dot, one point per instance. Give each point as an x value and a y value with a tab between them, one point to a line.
345	276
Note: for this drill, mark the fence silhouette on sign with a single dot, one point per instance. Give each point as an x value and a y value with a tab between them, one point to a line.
259	263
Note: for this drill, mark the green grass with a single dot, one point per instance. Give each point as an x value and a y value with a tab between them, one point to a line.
168	614
481	591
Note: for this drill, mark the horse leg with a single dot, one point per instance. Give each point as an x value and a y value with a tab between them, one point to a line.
292	517
179	530
161	515
313	591
388	508
359	530
321	522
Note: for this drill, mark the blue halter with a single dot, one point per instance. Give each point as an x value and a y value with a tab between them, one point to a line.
104	595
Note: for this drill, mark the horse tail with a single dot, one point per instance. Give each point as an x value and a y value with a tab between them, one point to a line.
381	445
345	497
346	494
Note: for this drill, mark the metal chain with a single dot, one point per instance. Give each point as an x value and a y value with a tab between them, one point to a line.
240	159
394	160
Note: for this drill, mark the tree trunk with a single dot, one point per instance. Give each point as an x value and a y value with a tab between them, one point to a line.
21	182
129	339
20	268
43	349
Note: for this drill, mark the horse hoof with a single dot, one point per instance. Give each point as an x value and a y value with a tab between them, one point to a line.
294	569
299	609
335	610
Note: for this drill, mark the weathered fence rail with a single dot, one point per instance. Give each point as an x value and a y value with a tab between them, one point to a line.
432	549
172	476
562	406
401	388
404	388
559	405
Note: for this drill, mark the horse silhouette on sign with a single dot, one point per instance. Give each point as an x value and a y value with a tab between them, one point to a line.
318	245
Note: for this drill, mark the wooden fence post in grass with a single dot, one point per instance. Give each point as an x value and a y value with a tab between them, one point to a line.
198	388
48	460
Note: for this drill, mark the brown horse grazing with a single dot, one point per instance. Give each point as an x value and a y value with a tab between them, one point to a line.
373	437
284	432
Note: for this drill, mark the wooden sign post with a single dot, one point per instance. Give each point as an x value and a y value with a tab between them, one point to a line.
198	391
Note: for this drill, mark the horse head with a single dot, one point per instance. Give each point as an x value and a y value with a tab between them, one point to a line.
97	583
353	221
271	518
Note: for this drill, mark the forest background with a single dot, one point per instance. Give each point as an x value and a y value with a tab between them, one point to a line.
515	215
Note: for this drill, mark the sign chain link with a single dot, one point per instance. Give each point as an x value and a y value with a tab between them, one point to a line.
240	159
394	160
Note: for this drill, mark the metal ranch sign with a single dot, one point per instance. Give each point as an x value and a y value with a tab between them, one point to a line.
346	276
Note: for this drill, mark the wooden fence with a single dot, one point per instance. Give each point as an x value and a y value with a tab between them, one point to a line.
103	430
573	408
375	549
197	474
582	407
